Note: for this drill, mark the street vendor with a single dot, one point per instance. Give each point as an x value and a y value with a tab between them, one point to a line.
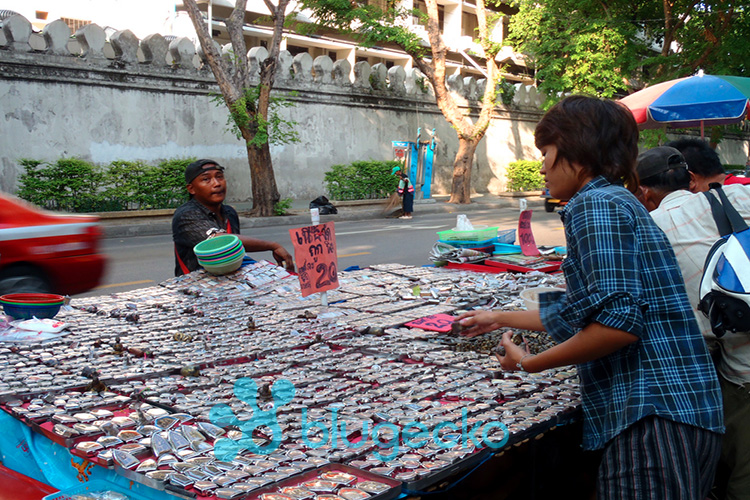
205	214
650	396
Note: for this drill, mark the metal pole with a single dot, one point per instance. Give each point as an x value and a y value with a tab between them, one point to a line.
210	18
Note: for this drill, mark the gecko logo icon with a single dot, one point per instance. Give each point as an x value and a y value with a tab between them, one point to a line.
246	390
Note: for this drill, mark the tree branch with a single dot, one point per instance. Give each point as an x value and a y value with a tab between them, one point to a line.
235	24
218	65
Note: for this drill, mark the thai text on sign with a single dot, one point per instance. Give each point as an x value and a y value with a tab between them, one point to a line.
525	236
315	257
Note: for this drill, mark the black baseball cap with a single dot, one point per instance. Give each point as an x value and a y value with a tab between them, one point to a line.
198	167
658	160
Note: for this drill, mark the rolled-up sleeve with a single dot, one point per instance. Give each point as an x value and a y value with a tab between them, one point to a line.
604	282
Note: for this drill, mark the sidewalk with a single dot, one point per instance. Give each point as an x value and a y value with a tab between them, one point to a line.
159	222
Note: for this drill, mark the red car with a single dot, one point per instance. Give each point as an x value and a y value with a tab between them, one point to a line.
42	251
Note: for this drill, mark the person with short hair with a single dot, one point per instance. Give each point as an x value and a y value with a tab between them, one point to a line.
688	223
704	165
650	396
205	215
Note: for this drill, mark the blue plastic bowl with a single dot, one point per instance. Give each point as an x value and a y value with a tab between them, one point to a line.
26	311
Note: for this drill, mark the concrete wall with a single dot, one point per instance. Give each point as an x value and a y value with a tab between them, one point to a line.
149	100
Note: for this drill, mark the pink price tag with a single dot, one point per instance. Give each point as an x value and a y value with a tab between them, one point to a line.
435	323
525	235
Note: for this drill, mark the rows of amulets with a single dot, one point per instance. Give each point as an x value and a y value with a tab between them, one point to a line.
169	355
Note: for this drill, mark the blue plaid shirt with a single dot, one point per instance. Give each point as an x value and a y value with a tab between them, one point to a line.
621	272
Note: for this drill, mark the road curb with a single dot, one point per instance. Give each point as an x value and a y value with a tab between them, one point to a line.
161	224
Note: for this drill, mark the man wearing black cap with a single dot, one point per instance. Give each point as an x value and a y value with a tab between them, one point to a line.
205	214
687	221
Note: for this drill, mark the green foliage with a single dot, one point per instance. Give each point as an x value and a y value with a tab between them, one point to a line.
524	175
506	91
75	185
244	115
281	207
608	48
70	184
652	138
574	46
362	180
368	24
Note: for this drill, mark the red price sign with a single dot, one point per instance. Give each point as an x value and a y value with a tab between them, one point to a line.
315	256
525	236
434	323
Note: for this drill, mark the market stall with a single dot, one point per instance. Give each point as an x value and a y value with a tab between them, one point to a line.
237	387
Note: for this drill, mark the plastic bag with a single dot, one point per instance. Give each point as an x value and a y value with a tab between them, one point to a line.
45	325
323	205
463	223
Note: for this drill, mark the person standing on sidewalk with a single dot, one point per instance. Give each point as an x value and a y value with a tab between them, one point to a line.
205	214
650	395
406	191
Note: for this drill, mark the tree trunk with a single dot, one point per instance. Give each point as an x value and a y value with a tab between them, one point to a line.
265	192
461	187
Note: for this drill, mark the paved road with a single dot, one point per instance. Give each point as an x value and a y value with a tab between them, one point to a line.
143	261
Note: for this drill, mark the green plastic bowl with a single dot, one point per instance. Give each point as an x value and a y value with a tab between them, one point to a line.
216	245
226	268
222	258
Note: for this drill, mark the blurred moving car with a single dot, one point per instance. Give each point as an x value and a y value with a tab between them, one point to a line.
48	252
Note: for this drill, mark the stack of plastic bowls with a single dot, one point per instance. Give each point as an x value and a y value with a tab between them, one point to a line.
222	254
31	305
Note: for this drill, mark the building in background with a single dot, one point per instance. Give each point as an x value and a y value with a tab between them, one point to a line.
169	18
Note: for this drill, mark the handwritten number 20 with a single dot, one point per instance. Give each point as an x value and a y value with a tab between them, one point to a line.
327	274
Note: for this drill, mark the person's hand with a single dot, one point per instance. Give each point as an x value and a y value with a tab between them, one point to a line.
478	322
283	258
513	353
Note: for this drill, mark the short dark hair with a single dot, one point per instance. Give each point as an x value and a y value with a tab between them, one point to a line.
598	134
700	157
670	180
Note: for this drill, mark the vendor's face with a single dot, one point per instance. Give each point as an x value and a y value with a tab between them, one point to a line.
209	188
562	178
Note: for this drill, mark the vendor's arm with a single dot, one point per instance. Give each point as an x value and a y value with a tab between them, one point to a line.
479	322
593	342
282	257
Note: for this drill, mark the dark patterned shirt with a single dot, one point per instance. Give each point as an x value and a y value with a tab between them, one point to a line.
190	224
621	272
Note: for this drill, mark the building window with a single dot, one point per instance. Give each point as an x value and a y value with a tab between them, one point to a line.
295	49
41	15
74	24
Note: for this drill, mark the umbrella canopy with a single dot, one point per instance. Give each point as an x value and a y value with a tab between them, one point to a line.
692	101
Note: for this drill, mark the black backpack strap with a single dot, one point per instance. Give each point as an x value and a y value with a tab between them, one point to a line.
735	219
720	216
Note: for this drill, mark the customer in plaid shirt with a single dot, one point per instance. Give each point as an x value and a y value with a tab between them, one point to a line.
650	394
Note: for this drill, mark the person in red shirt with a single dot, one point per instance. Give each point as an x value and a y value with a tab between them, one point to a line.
704	165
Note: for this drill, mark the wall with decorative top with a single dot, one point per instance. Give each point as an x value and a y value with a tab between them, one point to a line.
82	95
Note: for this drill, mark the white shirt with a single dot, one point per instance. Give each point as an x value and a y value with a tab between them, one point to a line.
687	221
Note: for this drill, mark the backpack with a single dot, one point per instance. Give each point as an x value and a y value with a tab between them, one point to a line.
725	285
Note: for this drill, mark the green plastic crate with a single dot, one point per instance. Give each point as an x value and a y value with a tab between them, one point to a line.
473	235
